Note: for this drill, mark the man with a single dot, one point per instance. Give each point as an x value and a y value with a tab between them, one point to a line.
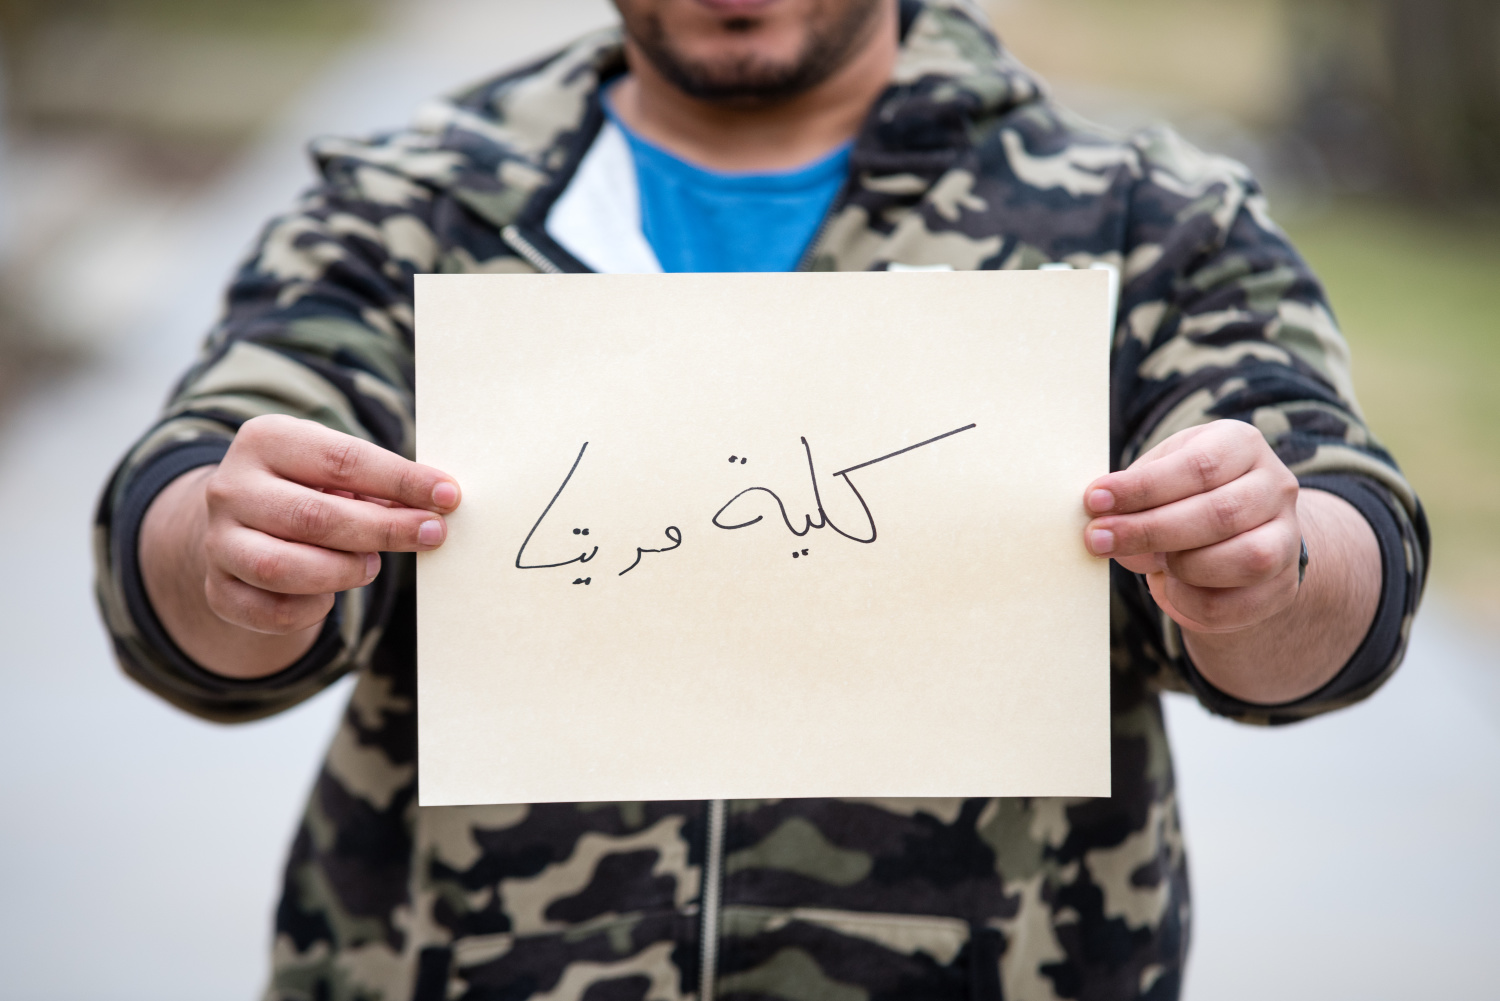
1268	554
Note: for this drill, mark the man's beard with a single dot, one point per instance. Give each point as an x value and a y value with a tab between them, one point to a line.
749	80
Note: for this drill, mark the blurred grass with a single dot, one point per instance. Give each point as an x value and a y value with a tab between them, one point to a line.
173	72
308	18
115	113
1418	295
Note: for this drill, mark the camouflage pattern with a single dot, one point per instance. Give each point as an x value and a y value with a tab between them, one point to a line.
964	161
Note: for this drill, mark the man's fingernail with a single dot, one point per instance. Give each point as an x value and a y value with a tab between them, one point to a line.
430	533
1102	541
372	565
445	494
1101	501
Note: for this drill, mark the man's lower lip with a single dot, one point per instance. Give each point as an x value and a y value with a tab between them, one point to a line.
736	7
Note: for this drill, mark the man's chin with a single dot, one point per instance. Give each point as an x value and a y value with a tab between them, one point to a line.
738	8
768	60
739	81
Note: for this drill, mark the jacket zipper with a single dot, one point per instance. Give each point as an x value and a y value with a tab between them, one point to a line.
713	862
713	883
524	247
808	255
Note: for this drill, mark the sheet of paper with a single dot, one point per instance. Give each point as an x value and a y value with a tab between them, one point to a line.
771	535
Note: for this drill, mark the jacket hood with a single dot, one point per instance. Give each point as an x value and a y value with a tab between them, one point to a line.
495	145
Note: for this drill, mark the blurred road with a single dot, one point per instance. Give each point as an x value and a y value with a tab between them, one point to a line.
1351	856
140	849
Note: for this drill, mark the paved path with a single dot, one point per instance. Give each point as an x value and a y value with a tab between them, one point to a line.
139	848
1356	855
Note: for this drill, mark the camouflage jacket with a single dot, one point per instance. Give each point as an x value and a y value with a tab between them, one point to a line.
963	161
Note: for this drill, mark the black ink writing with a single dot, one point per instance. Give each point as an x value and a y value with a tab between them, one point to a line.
582	557
819	519
823	520
673	532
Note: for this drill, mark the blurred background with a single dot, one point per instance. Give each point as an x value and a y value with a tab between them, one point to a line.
143	143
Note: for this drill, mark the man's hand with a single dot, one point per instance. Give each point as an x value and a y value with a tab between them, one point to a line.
1216	521
1210	516
242	561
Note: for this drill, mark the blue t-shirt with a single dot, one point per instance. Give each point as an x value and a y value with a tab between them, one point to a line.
698	219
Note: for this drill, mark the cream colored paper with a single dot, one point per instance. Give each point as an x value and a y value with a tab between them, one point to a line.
963	652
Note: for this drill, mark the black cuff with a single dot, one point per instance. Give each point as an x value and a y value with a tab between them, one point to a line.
1374	654
125	531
